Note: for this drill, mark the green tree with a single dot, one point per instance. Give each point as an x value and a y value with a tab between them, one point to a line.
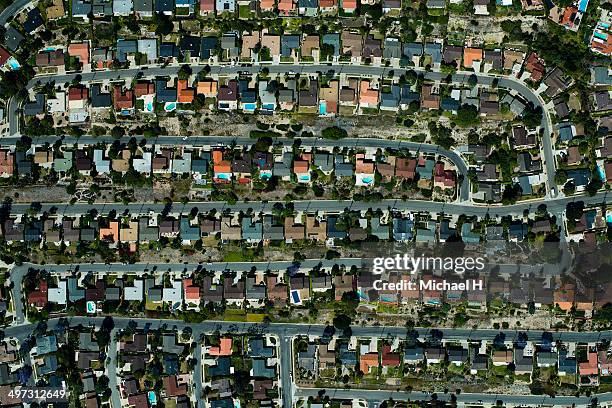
467	115
334	133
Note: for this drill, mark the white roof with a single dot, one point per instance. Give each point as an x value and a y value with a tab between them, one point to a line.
148	46
143	165
58	295
77	115
57	104
135	292
173	294
102	165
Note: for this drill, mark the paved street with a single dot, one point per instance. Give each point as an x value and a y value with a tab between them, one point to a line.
374	396
12	10
554	205
112	371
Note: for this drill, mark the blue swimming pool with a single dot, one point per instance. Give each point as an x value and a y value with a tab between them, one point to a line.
152	398
250	106
295	296
269	106
367	180
223	176
304	177
149	107
322	108
13	64
582	6
601	36
602	173
609	218
170	106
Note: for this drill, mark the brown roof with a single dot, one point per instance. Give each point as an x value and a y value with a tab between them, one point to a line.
311	42
144	88
293	230
172	388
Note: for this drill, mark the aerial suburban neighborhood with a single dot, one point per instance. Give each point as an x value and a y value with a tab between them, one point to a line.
305	203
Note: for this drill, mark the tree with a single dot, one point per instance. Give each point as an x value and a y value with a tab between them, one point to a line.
532	116
561	177
467	115
117	132
184	72
163	24
334	133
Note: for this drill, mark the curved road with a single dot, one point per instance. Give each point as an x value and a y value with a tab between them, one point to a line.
458	78
12	10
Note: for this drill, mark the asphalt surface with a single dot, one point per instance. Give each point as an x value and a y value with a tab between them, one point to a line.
377	396
510	83
556	206
112	371
13	9
196	141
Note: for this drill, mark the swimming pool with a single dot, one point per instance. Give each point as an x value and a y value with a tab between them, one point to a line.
13	64
367	180
602	173
223	176
602	36
582	6
152	397
609	218
304	177
91	307
295	297
250	106
269	106
322	108
170	106
149	107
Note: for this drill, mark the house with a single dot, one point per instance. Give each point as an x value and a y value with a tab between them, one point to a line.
308	8
352	45
452	55
207	7
502	357
143	8
80	51
368	97
50	58
309	98
434	52
123	99
430	99
472	58
310	46
535	66
372	50
277	291
227	98
185	94
435	355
